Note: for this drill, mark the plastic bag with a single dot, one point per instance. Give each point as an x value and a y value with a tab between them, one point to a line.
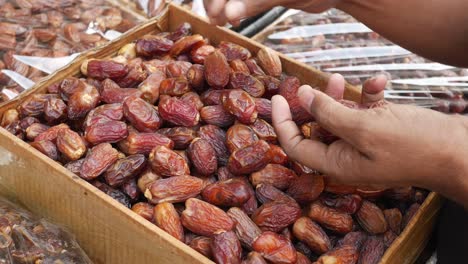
53	28
335	42
25	238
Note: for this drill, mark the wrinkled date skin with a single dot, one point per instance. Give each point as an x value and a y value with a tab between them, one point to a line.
226	248
203	157
103	69
312	235
217	70
349	203
371	218
372	250
248	83
345	255
202	245
150	46
241	105
174	189
178	112
182	136
144	210
205	219
232	192
167	218
247	231
217	138
275	248
166	162
267	193
125	169
306	188
144	143
82	101
100	158
70	144
249	159
274	174
240	136
105	130
330	218
141	115
276	215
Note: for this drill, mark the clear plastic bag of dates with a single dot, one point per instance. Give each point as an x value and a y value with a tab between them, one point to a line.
335	42
28	239
179	130
53	29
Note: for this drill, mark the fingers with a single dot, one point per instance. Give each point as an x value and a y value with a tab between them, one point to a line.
335	87
233	11
340	160
373	90
215	11
308	152
330	114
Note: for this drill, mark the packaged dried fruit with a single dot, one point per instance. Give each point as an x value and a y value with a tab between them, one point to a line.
52	29
334	41
27	238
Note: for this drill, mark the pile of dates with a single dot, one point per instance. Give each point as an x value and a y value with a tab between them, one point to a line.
25	238
179	130
52	28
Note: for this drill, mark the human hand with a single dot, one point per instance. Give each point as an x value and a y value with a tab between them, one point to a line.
222	11
390	145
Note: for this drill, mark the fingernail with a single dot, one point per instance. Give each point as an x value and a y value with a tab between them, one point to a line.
235	10
306	96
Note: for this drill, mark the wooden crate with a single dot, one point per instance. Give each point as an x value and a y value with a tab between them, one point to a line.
110	232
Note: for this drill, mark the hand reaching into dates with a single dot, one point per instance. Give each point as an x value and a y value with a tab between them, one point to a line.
380	144
222	11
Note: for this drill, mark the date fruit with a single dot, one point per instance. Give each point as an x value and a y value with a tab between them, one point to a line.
240	136
330	218
167	218
174	189
143	116
98	160
125	169
217	70
232	192
306	188
166	162
239	104
249	159
178	112
205	219
70	144
312	235
203	157
275	248
371	218
276	215
274	174
246	230
226	248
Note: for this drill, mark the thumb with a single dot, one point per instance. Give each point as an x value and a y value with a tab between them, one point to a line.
340	120
236	10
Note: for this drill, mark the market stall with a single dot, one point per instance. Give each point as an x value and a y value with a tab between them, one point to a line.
157	145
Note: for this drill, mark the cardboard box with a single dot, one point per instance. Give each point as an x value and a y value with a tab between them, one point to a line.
110	232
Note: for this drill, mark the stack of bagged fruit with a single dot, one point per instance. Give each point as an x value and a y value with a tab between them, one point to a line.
178	130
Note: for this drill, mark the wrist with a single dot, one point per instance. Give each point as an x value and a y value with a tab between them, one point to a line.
454	182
